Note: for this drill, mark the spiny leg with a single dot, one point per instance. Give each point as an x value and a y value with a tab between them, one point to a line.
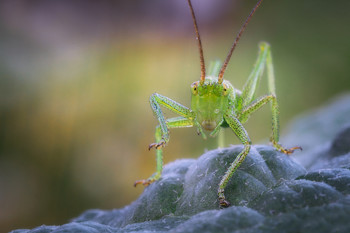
248	107
241	133
176	122
158	100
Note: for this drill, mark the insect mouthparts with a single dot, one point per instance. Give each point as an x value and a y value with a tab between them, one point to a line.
209	125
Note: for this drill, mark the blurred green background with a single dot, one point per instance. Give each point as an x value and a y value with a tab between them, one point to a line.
76	76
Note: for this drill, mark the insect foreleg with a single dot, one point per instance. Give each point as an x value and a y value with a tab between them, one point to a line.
176	122
162	130
241	133
156	101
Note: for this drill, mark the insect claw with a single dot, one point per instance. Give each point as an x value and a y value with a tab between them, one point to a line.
291	150
151	146
136	183
143	182
224	204
284	150
156	145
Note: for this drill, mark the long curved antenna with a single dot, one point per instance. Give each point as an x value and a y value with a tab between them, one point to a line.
223	68
201	56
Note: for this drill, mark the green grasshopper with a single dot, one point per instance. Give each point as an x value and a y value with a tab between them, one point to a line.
217	104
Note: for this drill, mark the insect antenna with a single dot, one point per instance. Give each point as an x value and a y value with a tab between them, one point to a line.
201	56
223	68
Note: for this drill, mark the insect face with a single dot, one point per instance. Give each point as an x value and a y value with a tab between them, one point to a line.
210	102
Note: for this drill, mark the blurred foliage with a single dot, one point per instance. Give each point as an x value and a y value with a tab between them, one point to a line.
75	79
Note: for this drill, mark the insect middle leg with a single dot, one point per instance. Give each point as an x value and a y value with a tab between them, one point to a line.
254	106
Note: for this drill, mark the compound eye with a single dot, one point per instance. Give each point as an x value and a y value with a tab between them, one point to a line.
225	90
194	88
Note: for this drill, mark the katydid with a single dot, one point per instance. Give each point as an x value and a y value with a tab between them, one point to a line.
216	104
